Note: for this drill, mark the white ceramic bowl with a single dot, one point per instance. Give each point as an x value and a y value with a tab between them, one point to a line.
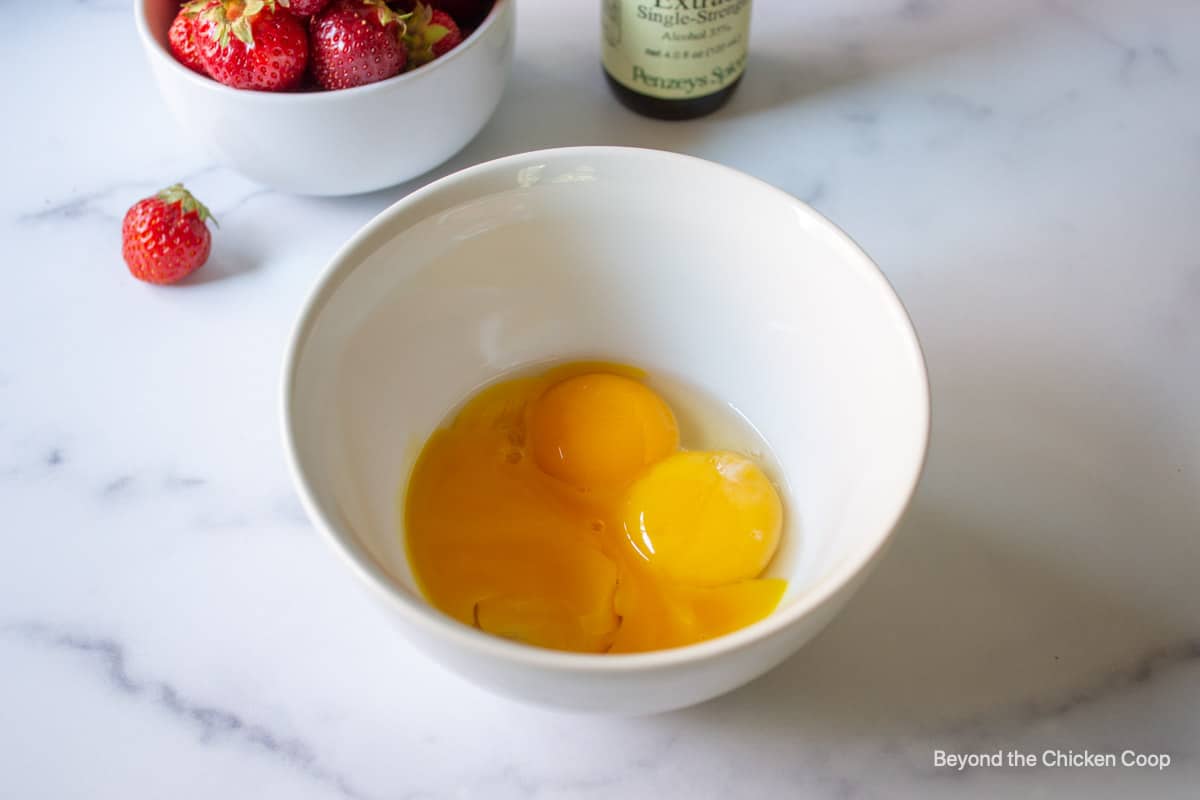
655	259
343	142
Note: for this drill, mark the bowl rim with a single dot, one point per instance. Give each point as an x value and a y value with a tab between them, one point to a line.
152	46
419	613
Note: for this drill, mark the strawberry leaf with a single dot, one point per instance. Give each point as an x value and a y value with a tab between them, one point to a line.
420	36
176	193
241	29
217	13
385	14
195	8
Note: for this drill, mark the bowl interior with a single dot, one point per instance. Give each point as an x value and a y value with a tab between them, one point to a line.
661	261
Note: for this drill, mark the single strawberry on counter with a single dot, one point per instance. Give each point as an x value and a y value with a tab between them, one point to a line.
431	33
251	44
356	42
182	40
304	8
164	238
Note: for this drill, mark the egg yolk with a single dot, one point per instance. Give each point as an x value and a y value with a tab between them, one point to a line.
599	431
557	511
704	518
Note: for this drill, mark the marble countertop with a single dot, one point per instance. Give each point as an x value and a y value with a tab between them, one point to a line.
1026	173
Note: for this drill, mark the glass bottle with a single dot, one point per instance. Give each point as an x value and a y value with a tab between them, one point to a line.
675	59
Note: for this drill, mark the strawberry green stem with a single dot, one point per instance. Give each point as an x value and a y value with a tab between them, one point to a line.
176	193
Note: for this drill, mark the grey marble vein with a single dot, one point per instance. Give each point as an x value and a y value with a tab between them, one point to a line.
65	210
965	107
211	723
973	732
24	461
529	783
1183	654
1131	55
241	202
1165	58
184	482
119	195
864	117
816	194
1156	56
117	486
918	11
1055	108
1089	24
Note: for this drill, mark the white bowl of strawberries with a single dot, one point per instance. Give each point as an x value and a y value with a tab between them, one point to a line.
330	97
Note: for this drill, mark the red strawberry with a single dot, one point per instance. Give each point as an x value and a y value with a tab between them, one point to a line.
182	39
431	33
251	44
164	238
356	42
451	39
304	8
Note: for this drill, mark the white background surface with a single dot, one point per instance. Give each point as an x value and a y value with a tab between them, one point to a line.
1026	173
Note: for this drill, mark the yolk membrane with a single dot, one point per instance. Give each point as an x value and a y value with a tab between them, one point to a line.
557	511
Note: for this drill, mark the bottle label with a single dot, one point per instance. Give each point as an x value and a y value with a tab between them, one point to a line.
675	49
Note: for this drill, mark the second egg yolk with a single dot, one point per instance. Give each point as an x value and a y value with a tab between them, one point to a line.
704	518
599	431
